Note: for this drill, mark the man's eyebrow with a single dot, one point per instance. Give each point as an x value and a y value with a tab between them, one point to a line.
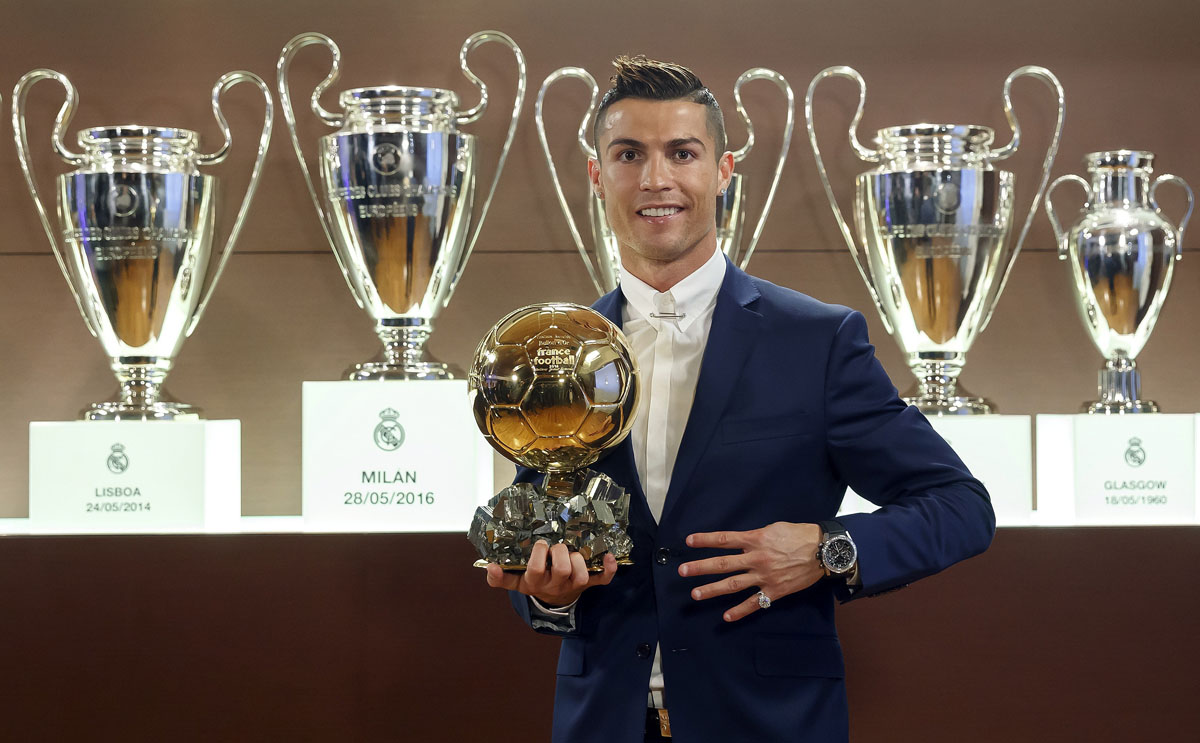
673	144
624	142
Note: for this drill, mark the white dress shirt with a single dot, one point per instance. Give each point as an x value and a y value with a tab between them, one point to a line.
669	351
668	331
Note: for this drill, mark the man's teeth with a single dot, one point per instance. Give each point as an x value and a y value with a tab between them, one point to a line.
663	212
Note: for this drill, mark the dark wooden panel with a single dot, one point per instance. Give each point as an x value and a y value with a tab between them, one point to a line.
1079	634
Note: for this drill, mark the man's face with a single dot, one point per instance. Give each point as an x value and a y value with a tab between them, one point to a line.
659	177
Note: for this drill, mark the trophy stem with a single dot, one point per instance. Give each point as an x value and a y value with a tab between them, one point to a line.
140	394
938	391
404	356
1120	385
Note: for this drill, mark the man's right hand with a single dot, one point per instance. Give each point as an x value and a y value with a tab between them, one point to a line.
555	576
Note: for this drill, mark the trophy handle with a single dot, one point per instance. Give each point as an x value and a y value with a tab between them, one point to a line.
1047	77
227	81
863	153
1168	178
1060	236
579	74
61	121
473	114
762	73
289	116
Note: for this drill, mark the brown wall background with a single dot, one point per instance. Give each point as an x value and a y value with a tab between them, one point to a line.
1054	635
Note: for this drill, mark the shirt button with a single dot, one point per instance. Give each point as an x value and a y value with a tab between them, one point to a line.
662	555
643	650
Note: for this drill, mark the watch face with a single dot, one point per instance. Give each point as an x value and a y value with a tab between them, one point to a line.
839	554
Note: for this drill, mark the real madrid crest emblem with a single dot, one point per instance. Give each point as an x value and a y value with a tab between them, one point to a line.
117	461
1135	455
389	434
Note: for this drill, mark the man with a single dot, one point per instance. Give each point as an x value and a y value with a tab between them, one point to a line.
760	406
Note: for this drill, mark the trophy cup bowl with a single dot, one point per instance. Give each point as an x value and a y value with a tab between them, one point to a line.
603	263
552	387
1122	251
397	184
933	237
933	223
137	225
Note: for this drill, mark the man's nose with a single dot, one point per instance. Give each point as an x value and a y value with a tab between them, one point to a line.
656	175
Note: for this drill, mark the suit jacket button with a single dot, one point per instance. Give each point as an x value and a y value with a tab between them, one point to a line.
662	555
644	650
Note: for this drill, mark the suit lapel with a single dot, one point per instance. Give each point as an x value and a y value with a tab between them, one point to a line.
734	331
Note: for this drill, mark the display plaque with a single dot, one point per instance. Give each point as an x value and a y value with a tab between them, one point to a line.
998	450
1135	469
396	456
133	477
1116	470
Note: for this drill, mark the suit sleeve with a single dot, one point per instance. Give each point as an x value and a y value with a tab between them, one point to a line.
543	622
933	512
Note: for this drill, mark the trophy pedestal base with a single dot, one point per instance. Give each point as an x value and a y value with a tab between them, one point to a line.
384	370
943	401
1117	470
162	407
1119	407
135	477
388	457
1120	384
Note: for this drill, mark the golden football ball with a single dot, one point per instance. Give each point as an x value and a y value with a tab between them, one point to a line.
553	386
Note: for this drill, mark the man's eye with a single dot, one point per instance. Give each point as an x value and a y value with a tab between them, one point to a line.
684	155
627	155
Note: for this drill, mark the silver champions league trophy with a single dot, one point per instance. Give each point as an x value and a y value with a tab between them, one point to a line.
605	268
135	238
1122	251
934	221
397	185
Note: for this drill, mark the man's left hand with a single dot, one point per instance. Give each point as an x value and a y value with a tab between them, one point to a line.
778	559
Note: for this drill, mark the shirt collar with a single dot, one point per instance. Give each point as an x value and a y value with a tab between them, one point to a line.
695	294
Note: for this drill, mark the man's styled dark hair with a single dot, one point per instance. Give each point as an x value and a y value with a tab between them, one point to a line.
639	77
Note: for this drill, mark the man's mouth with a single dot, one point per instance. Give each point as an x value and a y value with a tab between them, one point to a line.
663	211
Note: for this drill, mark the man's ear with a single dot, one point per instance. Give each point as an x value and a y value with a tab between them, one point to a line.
725	169
594	177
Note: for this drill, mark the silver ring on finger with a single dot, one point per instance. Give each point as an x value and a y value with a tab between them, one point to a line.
764	601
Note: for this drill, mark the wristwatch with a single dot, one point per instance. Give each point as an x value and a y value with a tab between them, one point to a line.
837	554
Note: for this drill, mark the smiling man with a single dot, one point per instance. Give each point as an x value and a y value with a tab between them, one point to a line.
761	405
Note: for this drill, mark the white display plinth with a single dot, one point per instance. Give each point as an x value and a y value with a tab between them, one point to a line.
1117	470
998	450
392	456
134	477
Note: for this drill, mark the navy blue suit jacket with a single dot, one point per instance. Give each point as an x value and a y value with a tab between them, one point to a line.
791	407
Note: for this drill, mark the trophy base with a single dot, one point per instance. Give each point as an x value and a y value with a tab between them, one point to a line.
124	411
1119	385
420	371
1113	407
937	391
622	561
130	404
941	404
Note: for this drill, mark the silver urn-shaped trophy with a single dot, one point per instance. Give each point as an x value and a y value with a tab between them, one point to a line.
395	197
605	267
135	238
934	224
1122	252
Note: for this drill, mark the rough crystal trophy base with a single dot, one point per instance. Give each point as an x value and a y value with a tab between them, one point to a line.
1120	385
141	396
403	357
582	509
